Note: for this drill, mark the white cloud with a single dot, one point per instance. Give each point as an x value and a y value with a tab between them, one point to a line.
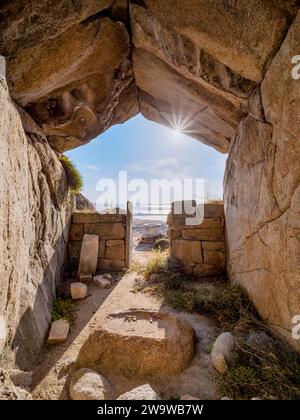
169	168
90	167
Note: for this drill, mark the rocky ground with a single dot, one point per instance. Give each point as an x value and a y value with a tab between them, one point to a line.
51	375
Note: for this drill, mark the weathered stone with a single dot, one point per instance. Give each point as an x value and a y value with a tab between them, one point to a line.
86	384
58	332
89	254
262	214
187	250
8	391
21	379
207	270
102	282
226	30
174	233
2	332
194	99
106	230
85	278
92	217
2	68
214	253
25	25
204	234
139	342
221	352
83	204
76	232
34	222
78	290
115	249
143	392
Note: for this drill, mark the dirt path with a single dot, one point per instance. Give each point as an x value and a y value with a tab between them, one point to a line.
51	373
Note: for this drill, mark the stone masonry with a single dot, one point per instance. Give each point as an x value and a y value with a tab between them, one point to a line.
199	248
113	231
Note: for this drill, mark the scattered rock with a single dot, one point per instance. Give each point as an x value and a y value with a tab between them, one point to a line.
255	399
78	290
187	397
102	282
143	392
86	278
226	399
219	362
21	378
86	384
222	351
58	332
139	342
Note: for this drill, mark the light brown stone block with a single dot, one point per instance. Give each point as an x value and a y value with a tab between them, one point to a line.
115	249
89	254
204	234
187	250
76	232
112	265
106	230
86	217
58	332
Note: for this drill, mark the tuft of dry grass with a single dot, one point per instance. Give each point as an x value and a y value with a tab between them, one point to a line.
267	367
74	177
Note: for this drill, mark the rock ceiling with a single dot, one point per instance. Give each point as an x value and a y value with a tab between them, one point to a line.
80	67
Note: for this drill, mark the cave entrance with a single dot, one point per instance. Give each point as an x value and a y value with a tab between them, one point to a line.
151	166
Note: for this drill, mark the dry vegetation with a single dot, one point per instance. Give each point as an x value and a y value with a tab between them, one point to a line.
263	365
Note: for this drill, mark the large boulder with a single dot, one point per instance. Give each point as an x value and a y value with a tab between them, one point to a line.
139	342
262	214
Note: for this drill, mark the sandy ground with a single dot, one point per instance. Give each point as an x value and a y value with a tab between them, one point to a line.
52	371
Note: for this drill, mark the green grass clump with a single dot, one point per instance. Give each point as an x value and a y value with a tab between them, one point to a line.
74	177
63	308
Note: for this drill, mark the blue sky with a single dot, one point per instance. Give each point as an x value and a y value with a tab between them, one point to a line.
148	150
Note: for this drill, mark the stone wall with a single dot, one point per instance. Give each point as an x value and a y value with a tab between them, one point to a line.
199	248
35	211
262	194
114	231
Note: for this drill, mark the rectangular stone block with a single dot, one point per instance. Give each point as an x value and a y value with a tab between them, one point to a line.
89	254
105	230
86	217
174	234
111	265
115	249
187	250
208	223
74	249
204	234
76	232
58	332
214	253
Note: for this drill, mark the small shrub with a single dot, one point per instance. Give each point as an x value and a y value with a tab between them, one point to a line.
158	264
162	244
74	177
63	308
